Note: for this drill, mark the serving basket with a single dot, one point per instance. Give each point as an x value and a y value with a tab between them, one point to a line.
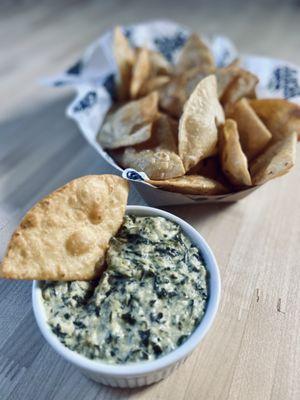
93	78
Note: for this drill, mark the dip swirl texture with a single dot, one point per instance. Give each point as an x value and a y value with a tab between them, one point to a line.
151	297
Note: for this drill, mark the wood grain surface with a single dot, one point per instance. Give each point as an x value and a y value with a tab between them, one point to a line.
253	349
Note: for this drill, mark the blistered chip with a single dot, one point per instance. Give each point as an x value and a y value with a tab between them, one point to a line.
194	54
192	184
153	84
125	58
198	132
242	85
275	161
159	64
65	236
130	124
233	160
156	163
174	95
140	73
280	116
158	156
254	135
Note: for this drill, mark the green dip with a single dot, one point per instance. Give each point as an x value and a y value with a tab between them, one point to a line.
148	301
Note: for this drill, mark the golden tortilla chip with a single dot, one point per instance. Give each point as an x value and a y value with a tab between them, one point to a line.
280	116
130	124
172	96
140	73
159	64
254	136
65	235
275	161
156	163
198	133
194	76
194	54
242	85
164	134
154	84
125	58
224	77
157	157
192	184
150	72
233	160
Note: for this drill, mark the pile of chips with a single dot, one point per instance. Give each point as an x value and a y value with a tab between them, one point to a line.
195	128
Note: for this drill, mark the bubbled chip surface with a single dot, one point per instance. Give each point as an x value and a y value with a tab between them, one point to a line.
66	234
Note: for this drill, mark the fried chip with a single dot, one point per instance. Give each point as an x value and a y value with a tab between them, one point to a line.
158	156
153	84
157	164
233	160
194	54
224	77
198	133
65	235
165	132
130	124
150	72
254	136
275	161
138	136
194	76
125	58
140	73
173	96
164	135
242	85
280	116
159	64
192	184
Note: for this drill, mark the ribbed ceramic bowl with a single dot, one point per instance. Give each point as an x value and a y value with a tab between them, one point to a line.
146	372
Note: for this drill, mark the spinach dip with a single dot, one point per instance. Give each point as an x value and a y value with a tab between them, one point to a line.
151	297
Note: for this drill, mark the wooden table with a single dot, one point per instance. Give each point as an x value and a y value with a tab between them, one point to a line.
253	349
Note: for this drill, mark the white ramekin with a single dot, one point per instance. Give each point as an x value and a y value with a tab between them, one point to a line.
147	372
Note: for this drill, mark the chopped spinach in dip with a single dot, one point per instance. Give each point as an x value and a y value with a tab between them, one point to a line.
151	297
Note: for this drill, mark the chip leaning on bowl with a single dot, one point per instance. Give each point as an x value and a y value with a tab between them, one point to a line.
170	120
65	235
